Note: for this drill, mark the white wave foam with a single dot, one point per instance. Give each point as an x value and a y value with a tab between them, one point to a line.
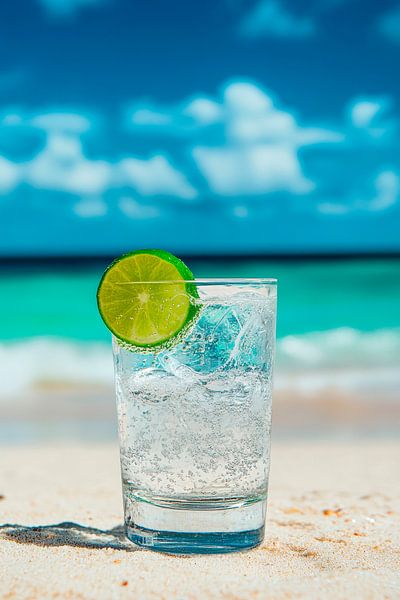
30	362
344	358
367	382
340	348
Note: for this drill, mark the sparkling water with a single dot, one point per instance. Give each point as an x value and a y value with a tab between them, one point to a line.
194	419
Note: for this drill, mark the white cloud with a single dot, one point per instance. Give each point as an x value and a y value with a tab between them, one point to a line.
62	166
363	112
387	185
91	207
66	8
245	97
134	210
271	18
274	126
156	176
183	118
239	145
385	192
255	169
371	115
59	122
252	116
318	135
203	110
260	154
9	175
245	112
389	24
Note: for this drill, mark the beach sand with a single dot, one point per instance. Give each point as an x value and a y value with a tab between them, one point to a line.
333	529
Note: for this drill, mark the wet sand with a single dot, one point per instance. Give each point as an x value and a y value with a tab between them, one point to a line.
55	412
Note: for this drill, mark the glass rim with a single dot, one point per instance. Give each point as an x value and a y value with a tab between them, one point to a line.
212	281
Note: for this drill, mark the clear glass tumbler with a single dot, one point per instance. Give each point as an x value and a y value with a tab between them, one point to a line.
194	424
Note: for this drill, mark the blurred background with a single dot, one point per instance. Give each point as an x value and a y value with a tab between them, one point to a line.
251	138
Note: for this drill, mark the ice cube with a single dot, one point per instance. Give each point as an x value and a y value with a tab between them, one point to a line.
207	347
172	366
227	334
154	386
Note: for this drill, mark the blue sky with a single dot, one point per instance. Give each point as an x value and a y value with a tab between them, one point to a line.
225	126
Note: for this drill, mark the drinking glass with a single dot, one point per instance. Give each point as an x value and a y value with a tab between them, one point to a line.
194	424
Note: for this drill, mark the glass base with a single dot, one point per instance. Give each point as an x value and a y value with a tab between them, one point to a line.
195	530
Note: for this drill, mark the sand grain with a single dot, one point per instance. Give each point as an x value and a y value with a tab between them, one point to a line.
333	530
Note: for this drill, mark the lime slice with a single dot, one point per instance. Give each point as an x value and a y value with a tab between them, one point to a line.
145	298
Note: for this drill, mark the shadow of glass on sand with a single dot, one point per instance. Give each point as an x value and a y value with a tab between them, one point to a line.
67	534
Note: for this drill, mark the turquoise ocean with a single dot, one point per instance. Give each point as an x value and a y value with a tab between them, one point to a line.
338	321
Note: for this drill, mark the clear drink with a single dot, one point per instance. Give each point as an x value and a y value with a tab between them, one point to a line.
194	425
